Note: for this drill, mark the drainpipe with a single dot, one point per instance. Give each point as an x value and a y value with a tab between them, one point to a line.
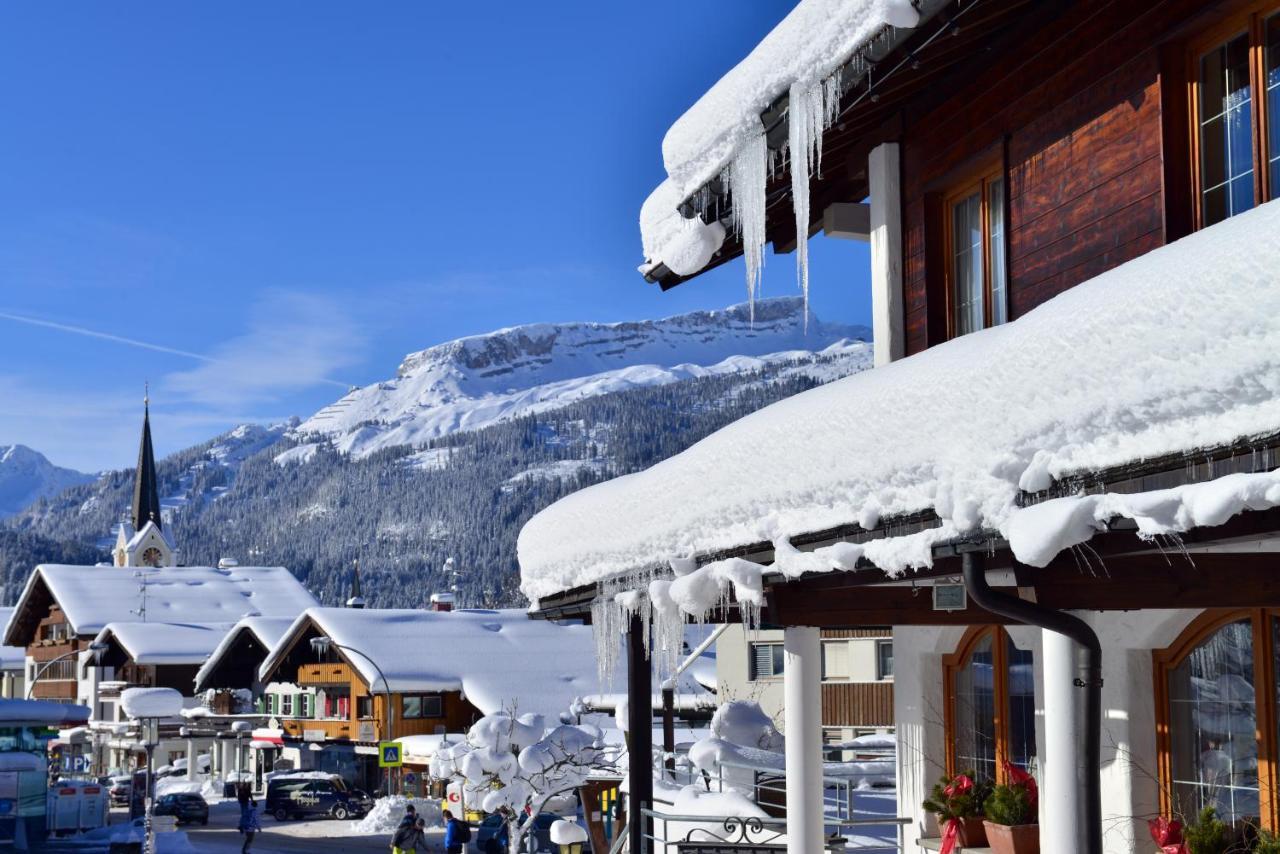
1090	678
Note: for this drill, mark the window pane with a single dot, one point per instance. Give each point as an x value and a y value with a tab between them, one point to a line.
411	707
1022	707
835	660
1212	715
885	652
966	263
975	713
1226	131
1273	101
996	260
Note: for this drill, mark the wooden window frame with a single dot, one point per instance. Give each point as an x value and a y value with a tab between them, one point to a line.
1264	682
422	698
951	664
1250	19
979	180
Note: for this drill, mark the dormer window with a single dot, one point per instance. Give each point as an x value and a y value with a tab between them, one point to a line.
1236	104
976	255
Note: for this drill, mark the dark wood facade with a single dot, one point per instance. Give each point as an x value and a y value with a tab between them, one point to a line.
857	704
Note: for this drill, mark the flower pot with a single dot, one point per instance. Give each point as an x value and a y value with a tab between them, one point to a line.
1019	839
970	834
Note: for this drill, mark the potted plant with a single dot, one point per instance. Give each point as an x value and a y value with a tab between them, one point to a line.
957	802
1011	814
1268	843
1207	834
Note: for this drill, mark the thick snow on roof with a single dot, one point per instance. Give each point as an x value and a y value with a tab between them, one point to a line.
166	643
807	47
1175	351
93	596
268	631
498	659
11	657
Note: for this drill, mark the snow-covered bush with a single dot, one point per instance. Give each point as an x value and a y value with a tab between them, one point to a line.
513	764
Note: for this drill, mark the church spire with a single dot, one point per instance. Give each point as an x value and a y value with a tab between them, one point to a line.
146	495
357	598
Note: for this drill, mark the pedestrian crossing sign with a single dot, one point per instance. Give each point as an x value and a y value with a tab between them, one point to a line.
389	754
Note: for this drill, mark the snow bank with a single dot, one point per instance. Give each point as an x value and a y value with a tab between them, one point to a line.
743	722
151	702
498	659
385	816
1175	351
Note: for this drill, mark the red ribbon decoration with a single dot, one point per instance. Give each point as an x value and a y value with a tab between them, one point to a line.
949	835
961	784
1018	777
1167	833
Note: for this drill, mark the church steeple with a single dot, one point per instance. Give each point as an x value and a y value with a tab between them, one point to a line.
146	495
357	597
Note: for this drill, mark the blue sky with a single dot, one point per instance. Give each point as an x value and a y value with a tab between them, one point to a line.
282	199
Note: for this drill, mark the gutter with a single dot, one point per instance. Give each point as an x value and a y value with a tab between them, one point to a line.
1090	678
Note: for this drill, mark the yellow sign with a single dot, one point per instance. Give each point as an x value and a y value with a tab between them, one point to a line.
389	754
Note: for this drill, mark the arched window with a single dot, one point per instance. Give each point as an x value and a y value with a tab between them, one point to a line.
1216	717
990	711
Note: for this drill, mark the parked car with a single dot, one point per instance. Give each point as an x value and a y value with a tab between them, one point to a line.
120	788
184	806
493	827
304	797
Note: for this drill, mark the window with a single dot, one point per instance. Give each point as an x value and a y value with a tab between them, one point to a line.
417	706
765	661
304	705
884	660
1216	722
976	266
835	661
1235	76
56	670
286	705
364	706
990	712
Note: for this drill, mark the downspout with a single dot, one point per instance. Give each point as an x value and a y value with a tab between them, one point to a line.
1090	678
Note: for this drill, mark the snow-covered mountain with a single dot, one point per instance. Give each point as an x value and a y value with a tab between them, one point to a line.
27	475
473	382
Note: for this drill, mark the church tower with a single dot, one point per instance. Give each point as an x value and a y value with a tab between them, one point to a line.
142	540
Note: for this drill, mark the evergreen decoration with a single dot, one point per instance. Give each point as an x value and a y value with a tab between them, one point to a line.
1009	805
958	797
1207	834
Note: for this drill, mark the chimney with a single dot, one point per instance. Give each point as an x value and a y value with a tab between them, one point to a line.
441	602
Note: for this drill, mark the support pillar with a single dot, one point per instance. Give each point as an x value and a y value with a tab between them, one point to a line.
884	183
669	726
1062	813
640	730
802	679
227	747
191	759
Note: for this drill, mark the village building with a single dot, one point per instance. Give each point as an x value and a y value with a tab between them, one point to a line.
1058	485
13	664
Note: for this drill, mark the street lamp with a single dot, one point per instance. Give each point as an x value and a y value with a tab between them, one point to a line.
568	836
322	644
147	706
97	648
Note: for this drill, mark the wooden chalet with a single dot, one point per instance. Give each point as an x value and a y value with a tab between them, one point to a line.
1040	183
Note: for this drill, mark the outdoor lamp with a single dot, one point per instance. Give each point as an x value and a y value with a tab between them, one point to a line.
569	836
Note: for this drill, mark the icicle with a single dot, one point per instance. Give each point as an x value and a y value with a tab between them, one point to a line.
812	108
746	176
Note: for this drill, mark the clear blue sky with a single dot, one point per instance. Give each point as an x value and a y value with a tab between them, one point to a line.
286	197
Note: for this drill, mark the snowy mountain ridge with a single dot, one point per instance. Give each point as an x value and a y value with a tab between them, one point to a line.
473	382
27	475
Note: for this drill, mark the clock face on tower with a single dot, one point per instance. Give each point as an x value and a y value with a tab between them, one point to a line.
151	557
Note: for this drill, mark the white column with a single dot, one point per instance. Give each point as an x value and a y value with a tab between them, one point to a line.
228	746
884	183
1061	802
802	680
191	758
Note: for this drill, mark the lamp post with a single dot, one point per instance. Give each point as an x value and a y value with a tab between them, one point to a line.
147	706
97	648
322	644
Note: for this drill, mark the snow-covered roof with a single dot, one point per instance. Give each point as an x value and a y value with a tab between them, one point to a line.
142	533
268	631
1175	351
93	596
808	46
165	643
497	659
11	657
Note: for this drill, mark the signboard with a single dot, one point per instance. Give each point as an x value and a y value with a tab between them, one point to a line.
949	597
313	735
366	731
389	754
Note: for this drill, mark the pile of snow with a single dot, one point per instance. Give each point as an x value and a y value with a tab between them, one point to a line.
1173	352
151	702
386	814
567	832
743	722
473	382
498	659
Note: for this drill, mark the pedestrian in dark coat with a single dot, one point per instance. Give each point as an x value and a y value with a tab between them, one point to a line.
249	824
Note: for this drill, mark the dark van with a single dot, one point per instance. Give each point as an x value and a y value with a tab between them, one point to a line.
306	797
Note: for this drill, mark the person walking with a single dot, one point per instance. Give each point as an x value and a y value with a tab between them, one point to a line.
405	839
456	834
249	824
410	816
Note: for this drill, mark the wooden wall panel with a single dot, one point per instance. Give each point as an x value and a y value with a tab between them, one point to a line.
857	704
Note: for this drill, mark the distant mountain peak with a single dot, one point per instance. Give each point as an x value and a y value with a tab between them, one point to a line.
26	476
478	380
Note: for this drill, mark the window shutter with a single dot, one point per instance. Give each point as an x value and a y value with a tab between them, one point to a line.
766	660
835	660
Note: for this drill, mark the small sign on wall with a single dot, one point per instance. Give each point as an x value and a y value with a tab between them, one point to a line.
950	597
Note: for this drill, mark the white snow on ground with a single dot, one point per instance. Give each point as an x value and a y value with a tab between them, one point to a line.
498	659
957	428
563	469
303	453
473	382
93	596
385	816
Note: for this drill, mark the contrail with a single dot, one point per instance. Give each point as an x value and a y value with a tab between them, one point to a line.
131	342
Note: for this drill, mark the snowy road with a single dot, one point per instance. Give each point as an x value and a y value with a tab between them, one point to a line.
221	836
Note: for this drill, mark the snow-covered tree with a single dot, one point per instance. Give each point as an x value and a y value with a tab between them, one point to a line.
513	764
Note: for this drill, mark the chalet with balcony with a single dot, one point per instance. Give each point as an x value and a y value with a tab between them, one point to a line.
1059	483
